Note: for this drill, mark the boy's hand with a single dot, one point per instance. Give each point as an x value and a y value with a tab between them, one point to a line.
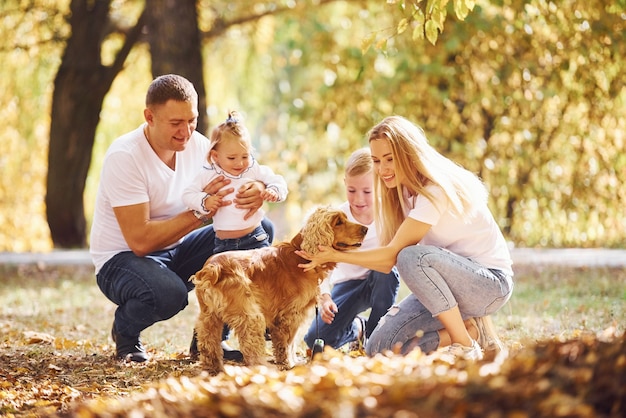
329	309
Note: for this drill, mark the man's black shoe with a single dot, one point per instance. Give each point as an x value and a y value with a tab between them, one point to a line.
128	349
228	352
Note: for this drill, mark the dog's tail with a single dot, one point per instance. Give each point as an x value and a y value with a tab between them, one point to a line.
210	273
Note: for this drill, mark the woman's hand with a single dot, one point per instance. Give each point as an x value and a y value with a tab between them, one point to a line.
323	256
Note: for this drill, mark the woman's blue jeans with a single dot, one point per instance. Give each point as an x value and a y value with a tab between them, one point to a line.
155	288
376	291
438	280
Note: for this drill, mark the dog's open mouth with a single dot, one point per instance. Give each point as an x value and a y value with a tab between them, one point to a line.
344	245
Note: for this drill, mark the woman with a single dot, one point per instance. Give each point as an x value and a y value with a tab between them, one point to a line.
434	225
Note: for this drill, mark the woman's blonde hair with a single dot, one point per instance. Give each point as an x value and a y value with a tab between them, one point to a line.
233	127
418	164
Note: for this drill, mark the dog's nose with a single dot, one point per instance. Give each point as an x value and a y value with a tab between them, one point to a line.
364	230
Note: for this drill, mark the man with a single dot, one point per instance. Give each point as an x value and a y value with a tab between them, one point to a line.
145	244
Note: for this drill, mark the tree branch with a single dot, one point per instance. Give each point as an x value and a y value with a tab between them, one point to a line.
132	37
220	25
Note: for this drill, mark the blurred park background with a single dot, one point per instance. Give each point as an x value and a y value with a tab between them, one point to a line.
529	94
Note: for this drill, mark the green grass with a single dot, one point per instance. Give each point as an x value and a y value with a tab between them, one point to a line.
65	303
557	301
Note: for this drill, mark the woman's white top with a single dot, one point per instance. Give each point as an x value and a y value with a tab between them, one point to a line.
477	236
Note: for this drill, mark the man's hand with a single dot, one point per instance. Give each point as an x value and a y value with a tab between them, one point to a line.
217	187
249	197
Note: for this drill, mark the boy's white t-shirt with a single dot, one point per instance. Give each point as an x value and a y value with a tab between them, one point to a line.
478	237
132	173
229	218
345	271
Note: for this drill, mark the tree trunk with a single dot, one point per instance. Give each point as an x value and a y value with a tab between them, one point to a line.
175	46
80	86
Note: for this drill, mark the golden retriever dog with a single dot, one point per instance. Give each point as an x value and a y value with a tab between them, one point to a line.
255	290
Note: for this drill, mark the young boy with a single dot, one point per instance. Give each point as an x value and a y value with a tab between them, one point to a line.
354	289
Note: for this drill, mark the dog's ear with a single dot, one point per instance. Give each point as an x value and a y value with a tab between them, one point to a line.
296	241
209	273
338	218
318	229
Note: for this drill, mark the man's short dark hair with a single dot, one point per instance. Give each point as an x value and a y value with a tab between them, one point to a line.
170	87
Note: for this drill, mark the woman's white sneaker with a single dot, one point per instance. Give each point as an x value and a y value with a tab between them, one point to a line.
487	337
473	353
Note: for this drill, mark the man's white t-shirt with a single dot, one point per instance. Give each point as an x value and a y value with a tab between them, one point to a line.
132	173
344	271
477	237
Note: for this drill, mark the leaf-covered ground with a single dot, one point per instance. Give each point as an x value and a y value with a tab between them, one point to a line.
55	360
584	377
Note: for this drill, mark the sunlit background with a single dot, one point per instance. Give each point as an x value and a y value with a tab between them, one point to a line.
529	95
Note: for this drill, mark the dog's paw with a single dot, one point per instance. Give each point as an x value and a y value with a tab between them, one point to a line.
255	361
213	372
213	369
285	365
211	366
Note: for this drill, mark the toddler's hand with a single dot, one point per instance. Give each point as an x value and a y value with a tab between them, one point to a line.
269	195
211	203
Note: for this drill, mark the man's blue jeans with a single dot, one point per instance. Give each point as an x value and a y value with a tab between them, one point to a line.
155	288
